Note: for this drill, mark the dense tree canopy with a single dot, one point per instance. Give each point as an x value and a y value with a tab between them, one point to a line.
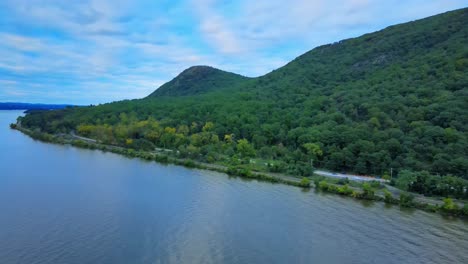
396	98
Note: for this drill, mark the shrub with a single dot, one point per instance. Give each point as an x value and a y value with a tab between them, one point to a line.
231	170
245	173
388	197
406	199
323	185
465	209
189	163
161	158
375	184
305	182
367	192
449	206
386	176
431	208
317	180
343	181
345	190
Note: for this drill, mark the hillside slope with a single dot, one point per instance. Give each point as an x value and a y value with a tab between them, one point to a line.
197	80
396	98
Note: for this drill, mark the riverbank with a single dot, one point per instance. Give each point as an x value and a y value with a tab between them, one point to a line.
163	158
445	207
364	192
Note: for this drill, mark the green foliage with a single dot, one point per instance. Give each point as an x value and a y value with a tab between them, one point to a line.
245	149
323	185
305	182
208	127
345	190
313	150
367	191
406	200
390	99
432	185
449	205
245	173
375	184
198	80
405	178
386	176
190	163
231	170
240	171
343	181
388	197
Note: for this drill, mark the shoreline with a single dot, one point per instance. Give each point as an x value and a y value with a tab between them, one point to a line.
162	158
407	201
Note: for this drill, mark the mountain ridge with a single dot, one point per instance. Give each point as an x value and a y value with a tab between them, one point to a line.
395	98
307	57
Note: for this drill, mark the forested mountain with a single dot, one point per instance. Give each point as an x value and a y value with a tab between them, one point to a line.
396	98
197	80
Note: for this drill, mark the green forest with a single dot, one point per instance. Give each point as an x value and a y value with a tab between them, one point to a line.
396	99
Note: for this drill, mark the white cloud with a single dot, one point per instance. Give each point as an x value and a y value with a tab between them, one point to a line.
74	17
215	28
116	49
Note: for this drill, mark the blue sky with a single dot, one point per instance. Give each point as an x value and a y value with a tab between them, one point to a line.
97	51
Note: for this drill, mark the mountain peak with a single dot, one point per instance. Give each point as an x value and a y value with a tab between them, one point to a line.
201	68
196	80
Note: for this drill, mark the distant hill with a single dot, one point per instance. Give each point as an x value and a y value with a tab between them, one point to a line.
393	99
198	80
28	106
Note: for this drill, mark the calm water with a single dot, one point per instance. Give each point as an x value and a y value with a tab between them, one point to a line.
60	204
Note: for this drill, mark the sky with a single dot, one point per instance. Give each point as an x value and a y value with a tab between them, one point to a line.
98	51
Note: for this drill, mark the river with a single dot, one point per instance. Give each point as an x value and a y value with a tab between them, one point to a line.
60	204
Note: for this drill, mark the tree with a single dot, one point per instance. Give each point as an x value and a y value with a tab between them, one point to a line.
386	176
193	151
245	149
208	127
405	179
85	130
228	138
420	185
183	129
313	150
129	141
214	139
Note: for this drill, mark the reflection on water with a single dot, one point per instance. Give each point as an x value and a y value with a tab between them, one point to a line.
61	204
